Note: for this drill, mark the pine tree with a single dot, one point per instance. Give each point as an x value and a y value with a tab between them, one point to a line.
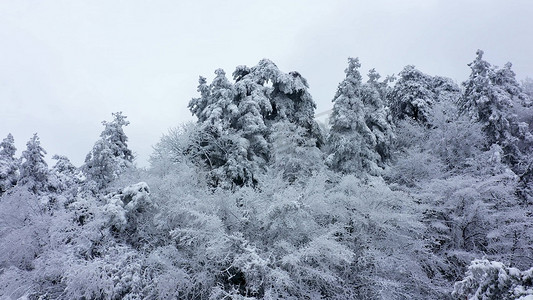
360	132
489	96
377	115
525	110
9	165
254	103
110	155
236	120
286	101
217	142
115	137
484	102
412	96
215	106
34	169
198	105
215	110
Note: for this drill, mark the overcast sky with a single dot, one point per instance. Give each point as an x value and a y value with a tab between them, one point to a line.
65	66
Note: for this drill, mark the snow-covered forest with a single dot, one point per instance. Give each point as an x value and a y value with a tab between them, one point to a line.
417	187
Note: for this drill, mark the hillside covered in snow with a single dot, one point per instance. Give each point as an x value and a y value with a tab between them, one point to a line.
417	188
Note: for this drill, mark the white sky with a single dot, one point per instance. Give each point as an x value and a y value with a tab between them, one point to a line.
66	65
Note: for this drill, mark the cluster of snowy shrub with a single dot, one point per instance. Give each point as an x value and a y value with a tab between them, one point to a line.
417	189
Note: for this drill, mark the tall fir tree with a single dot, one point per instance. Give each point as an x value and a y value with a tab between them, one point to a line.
361	132
9	165
377	115
490	93
34	169
352	144
215	110
110	155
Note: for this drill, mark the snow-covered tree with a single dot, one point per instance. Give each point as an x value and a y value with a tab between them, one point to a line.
254	105
9	165
506	79
412	96
493	97
377	115
454	139
521	127
115	137
493	280
236	120
34	169
360	133
130	213
291	102
110	155
215	107
217	142
64	176
415	93
350	141
490	93
524	111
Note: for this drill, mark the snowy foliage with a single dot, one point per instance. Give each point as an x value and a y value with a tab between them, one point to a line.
126	207
468	192
110	155
34	169
454	144
294	155
236	120
493	280
360	134
490	94
493	97
415	94
9	165
251	202
64	176
527	88
115	275
315	239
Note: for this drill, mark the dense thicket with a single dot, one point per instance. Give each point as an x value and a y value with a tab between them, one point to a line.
416	189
